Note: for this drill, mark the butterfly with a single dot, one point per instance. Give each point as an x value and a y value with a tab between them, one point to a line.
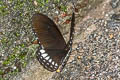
53	51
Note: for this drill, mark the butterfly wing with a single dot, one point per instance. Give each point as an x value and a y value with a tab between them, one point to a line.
47	32
52	44
51	59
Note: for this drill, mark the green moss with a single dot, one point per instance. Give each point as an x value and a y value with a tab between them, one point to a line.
41	3
22	45
22	55
1	78
3	8
4	40
63	8
19	5
1	72
6	62
57	1
17	34
24	64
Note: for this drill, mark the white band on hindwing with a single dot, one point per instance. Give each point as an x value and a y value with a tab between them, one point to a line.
45	59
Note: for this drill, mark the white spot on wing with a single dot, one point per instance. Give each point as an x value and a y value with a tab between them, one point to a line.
44	61
39	53
56	64
41	57
51	66
50	60
53	63
47	57
36	37
42	46
48	64
42	51
44	55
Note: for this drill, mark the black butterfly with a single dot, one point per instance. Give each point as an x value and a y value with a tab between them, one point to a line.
53	50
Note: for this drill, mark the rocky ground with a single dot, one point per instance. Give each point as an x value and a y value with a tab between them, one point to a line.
97	54
96	48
